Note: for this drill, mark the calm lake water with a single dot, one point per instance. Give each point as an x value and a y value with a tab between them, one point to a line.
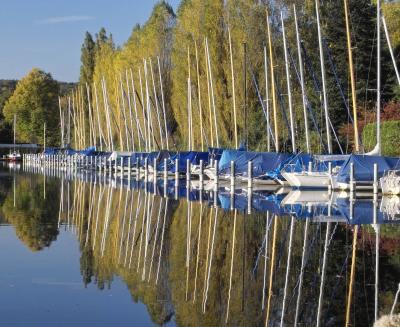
90	251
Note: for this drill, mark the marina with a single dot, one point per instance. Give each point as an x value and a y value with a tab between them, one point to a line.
225	163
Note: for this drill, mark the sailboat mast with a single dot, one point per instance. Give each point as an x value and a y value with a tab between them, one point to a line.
267	99
212	95
188	107
157	107
146	136
15	125
163	104
303	92
44	137
323	273
208	95
271	62
69	121
352	79
61	124
293	137
390	49
199	97
190	123
324	95
378	78
233	90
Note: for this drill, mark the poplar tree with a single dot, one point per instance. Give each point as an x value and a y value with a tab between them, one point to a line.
87	60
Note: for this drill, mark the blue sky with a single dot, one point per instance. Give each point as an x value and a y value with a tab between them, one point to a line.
48	33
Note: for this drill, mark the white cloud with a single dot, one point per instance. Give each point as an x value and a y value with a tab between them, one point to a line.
64	19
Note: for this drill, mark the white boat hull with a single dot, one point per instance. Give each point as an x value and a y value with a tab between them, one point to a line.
308	179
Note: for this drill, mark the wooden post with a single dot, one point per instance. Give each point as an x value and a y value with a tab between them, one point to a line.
146	167
249	200
129	168
250	174
165	171
352	181
188	167
176	171
330	186
376	184
216	173
137	170
232	174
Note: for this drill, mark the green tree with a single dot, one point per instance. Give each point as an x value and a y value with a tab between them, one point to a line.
35	102
7	88
88	54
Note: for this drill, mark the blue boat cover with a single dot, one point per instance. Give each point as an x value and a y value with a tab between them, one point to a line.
225	199
215	153
193	157
263	162
90	151
69	151
50	151
159	156
360	213
102	154
364	167
136	156
268	203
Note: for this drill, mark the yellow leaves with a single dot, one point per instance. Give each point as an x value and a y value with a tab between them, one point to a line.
391	12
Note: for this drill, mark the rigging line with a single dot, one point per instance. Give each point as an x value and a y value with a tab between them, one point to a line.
282	105
317	86
145	115
261	102
195	97
307	255
260	250
334	133
308	104
337	79
335	288
123	113
395	301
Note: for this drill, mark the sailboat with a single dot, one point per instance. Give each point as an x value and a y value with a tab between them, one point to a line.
14	156
338	176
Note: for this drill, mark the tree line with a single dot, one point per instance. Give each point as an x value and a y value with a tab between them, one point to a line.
210	75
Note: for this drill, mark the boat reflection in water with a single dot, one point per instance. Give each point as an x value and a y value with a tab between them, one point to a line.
221	257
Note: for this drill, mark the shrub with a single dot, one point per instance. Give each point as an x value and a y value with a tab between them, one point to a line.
390	135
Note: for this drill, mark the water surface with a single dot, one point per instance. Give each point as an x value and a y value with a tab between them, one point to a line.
88	250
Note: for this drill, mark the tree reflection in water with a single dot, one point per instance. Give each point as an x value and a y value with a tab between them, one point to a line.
203	266
33	217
